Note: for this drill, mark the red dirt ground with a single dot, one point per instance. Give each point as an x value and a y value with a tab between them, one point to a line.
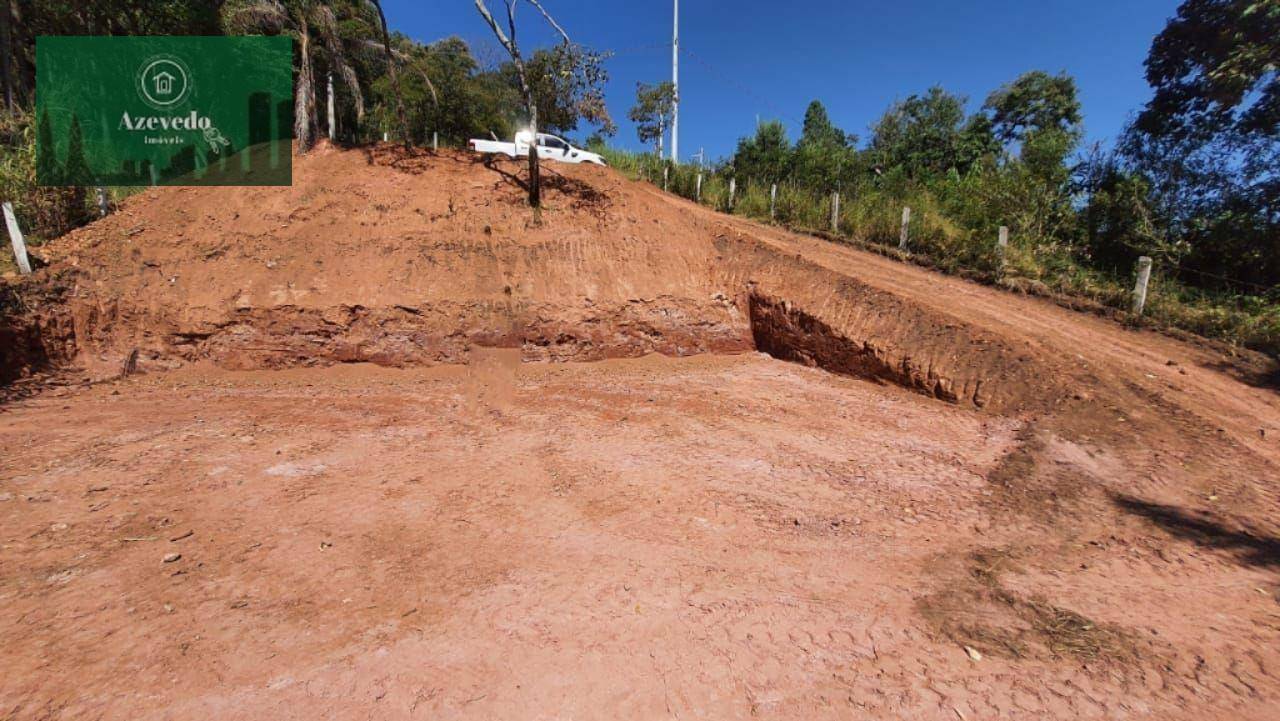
1026	513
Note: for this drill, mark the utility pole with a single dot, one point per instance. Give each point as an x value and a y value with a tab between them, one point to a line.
675	82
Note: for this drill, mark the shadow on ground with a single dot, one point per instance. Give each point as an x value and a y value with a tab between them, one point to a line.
1202	529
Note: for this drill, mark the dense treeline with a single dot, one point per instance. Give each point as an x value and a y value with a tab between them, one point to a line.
1194	182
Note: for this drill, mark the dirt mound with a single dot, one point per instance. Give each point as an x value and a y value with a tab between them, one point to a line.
378	256
768	540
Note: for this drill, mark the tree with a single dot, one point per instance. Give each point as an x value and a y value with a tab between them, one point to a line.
568	85
1209	138
1213	69
1035	102
571	75
654	104
7	54
391	73
48	169
765	156
76	169
1119	221
473	103
818	129
921	135
824	152
307	21
978	141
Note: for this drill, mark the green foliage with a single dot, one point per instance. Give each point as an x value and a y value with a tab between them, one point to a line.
654	104
100	17
47	165
766	156
1208	142
467	103
924	136
43	212
1034	103
825	156
1119	223
978	142
568	86
1213	69
76	169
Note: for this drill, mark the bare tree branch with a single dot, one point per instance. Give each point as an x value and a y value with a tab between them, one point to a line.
509	42
493	25
551	21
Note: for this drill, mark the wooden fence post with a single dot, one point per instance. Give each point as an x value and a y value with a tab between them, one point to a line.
103	204
904	235
733	186
15	237
773	201
1002	246
835	212
697	192
1140	290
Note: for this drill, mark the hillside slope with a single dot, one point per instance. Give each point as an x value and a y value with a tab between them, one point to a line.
371	256
349	477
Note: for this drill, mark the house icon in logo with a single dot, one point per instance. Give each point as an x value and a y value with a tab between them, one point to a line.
164	83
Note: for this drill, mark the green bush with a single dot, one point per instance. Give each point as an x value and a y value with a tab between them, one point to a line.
42	212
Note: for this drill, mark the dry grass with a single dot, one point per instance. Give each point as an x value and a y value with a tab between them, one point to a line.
978	612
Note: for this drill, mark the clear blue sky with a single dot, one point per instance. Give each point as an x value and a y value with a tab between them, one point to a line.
770	59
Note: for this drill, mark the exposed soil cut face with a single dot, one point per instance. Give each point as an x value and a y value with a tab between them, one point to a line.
1031	514
360	261
789	333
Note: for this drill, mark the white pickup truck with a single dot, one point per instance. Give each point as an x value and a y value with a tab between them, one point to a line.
549	148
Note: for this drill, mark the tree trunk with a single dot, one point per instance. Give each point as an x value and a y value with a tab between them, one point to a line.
395	79
535	185
535	180
6	52
304	103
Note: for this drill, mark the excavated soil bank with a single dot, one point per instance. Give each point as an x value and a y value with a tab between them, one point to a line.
788	333
302	472
361	262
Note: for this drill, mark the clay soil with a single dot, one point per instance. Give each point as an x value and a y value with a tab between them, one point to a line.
384	445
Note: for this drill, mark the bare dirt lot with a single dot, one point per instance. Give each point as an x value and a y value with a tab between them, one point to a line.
347	481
